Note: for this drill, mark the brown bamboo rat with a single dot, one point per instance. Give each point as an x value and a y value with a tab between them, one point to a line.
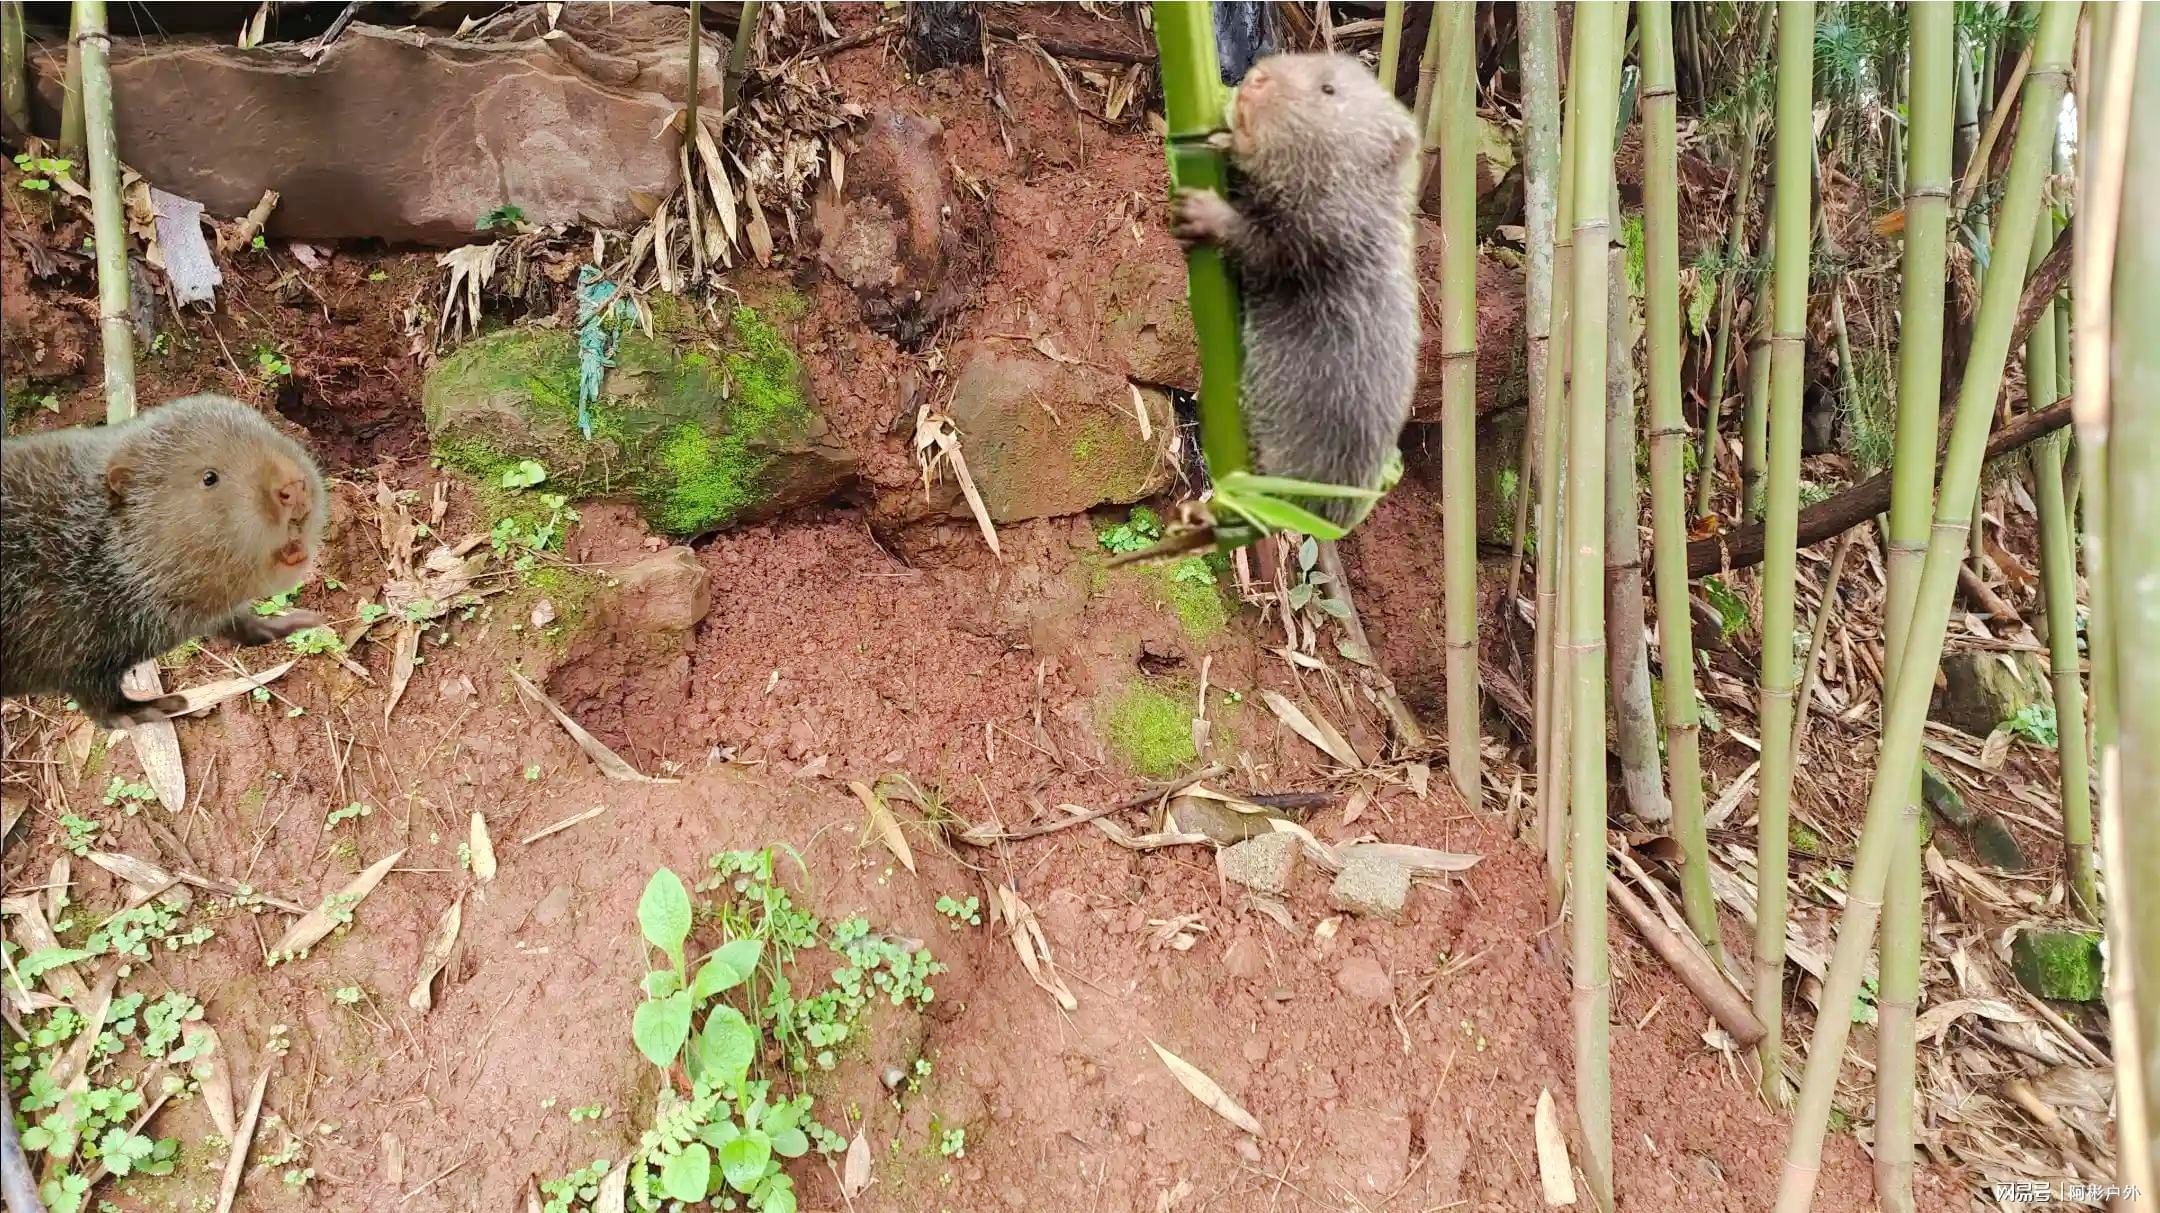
1317	232
118	543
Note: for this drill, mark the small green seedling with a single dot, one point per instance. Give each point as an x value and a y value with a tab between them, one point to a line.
277	604
502	216
269	363
524	474
967	912
311	642
348	813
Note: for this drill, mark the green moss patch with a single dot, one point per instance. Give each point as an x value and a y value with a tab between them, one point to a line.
1150	729
2059	964
1192	588
691	438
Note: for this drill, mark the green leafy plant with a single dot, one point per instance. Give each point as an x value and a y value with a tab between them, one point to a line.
270	364
277	604
81	834
310	642
128	797
348	813
1141	527
963	913
505	216
1731	610
524	474
2035	722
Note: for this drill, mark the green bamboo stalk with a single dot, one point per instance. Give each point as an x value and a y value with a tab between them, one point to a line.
2058	578
738	56
1721	344
1454	121
2118	524
1539	24
1193	111
1627	658
108	216
14	66
71	94
1390	42
1931	97
1793	164
1668	478
1755	412
1552	740
1428	72
1598	26
1905	710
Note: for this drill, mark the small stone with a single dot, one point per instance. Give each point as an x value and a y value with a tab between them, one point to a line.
1248	1149
1365	979
1217	822
2060	964
1135	1130
1261	864
1243	959
1371	885
1256	1049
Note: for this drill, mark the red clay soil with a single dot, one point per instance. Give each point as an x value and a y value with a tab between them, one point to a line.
1392	1066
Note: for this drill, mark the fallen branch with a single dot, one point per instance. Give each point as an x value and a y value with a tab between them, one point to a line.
1827	519
1743	548
1687	961
1073	50
1162	791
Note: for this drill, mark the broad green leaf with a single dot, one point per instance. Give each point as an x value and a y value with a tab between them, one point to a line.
719	1133
688	1176
790	1143
744	954
1275	515
725	1048
663	914
744	1161
662	982
715	976
660	1027
779	1197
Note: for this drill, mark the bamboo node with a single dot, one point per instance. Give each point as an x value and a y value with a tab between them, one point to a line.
1455	355
1929	191
1658	92
1682	430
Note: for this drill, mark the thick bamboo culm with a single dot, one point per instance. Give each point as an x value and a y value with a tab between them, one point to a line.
107	214
1598	26
1454	118
1668	476
1927	213
1793	160
1905	708
1552	708
2128	352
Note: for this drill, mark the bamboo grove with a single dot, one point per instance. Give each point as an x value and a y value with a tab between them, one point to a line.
1976	154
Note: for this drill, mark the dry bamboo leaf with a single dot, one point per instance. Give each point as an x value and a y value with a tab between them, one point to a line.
435	957
243	1137
562	825
77	743
1204	1089
393	1152
1027	940
34	933
156	744
1937	1019
1996	750
1319	732
213	1070
855	1170
210	694
614	1190
1419	776
1422	861
59	880
716	181
760	232
404	659
1140	410
483	850
609	762
1555	1174
317	923
883	824
143	878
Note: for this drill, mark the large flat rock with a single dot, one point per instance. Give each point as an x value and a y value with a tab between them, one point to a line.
408	134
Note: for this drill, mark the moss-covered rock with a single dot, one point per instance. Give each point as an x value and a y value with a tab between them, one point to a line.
1983	689
1149	323
2059	964
697	441
1045	439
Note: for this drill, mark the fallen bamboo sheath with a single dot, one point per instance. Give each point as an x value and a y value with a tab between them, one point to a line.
1687	961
